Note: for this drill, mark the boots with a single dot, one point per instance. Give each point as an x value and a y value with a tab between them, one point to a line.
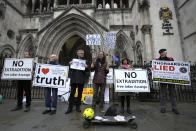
69	110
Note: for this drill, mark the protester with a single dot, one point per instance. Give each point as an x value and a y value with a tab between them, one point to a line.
125	95
164	87
101	68
51	101
78	79
23	85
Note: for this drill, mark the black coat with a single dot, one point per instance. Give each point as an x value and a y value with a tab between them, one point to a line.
79	76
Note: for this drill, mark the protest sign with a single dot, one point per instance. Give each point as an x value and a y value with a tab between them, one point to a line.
172	72
17	69
78	64
131	80
53	76
110	40
93	39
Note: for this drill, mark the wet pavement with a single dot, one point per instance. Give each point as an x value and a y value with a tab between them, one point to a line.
148	118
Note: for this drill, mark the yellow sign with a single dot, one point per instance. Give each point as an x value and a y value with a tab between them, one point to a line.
86	91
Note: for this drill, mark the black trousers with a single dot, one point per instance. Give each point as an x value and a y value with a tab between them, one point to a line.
24	85
73	91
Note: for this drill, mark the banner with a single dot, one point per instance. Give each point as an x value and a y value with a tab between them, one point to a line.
131	80
93	39
17	69
109	77
78	64
172	72
47	75
65	91
110	40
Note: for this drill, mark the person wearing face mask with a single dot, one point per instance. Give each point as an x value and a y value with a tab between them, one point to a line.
51	105
78	78
101	68
165	86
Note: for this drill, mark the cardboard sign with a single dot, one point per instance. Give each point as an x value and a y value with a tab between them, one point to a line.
53	76
93	39
17	69
172	72
131	80
78	64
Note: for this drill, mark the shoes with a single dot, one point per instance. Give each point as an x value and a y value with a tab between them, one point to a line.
17	108
27	109
69	110
176	111
53	112
163	110
46	112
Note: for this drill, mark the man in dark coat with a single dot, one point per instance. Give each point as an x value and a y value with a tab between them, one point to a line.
78	78
23	85
164	86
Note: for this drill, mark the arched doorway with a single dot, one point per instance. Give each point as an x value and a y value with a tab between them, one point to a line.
69	50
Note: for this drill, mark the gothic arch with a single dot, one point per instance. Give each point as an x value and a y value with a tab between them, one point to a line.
64	28
27	44
124	46
7	51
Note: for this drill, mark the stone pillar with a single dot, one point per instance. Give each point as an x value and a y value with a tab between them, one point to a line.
41	5
80	2
33	7
94	3
121	4
146	30
48	5
112	4
103	4
55	3
68	1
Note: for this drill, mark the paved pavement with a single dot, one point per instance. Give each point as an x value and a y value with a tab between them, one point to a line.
148	116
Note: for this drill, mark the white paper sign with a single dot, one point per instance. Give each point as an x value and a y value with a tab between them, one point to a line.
131	80
93	39
17	69
53	76
78	64
64	92
172	72
110	40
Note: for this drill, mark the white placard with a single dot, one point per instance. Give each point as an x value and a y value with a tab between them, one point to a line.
64	92
110	40
47	75
78	64
131	80
173	72
17	69
93	39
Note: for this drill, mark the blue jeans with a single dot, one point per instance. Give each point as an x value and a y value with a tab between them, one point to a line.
51	102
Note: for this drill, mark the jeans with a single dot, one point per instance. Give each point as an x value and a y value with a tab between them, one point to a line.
51	102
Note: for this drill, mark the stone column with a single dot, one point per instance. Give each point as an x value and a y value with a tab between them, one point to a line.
103	4
112	4
48	5
41	5
94	3
80	2
33	6
146	30
121	4
68	1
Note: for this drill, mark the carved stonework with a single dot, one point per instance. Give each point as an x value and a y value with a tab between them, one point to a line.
2	9
146	29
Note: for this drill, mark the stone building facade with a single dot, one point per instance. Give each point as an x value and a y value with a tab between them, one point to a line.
45	27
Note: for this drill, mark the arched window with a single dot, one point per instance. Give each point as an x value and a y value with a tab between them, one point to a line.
86	1
74	1
62	2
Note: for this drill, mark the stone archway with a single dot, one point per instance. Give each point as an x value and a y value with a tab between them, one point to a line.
7	51
64	28
27	44
69	50
124	46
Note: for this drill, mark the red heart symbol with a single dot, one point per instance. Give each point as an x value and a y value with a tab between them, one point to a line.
45	71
